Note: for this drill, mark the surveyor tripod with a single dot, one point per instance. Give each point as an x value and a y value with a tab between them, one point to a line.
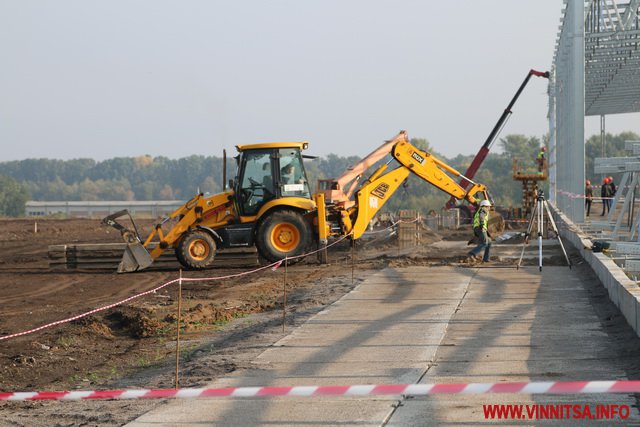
537	216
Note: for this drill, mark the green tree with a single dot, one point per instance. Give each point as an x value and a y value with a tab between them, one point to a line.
521	147
209	186
166	193
334	166
614	147
13	197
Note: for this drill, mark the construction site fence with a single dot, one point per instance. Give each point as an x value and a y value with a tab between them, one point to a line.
444	220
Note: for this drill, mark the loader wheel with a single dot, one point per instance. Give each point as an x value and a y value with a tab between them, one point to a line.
196	250
283	234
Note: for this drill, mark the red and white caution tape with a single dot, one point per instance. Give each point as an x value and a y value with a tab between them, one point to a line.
580	196
557	387
274	266
79	316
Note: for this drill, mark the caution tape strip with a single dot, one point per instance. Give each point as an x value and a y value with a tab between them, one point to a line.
580	196
554	387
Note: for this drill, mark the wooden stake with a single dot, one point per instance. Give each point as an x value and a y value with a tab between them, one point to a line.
35	227
178	330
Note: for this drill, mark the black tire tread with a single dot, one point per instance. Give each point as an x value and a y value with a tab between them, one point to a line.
263	231
182	252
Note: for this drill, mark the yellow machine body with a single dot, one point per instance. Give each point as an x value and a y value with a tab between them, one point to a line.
270	205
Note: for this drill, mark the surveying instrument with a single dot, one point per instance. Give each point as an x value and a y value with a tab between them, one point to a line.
537	215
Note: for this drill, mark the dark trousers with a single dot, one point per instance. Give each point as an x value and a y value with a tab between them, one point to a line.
485	243
587	205
606	206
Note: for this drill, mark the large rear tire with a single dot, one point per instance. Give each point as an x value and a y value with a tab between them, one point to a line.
196	250
283	234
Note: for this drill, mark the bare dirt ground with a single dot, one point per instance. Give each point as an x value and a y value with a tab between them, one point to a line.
224	325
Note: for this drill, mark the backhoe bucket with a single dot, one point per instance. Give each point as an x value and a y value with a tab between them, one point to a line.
135	258
495	225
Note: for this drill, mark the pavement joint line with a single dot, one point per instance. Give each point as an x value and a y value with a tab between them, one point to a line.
431	363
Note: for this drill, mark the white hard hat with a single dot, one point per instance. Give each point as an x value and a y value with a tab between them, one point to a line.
485	203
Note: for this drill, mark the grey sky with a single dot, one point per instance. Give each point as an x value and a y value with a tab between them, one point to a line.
175	78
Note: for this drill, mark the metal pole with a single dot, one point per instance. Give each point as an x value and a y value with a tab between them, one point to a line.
527	234
540	228
633	204
603	136
553	224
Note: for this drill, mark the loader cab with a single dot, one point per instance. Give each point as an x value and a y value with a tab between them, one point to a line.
269	171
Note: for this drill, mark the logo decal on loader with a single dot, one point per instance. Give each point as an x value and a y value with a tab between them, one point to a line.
417	157
381	190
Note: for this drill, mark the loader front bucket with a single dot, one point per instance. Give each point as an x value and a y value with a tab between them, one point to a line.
135	258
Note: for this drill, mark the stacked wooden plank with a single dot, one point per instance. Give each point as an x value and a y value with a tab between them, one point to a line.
108	255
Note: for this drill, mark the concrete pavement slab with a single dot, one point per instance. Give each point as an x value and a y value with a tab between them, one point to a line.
428	325
353	346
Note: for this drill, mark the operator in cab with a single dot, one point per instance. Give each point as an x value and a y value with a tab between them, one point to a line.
290	175
480	223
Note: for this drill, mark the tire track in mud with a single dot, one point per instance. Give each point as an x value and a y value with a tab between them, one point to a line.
45	299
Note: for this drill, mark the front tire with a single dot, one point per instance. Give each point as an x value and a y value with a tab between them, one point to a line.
283	234
196	250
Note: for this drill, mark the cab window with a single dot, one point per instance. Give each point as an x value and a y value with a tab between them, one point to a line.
256	185
293	179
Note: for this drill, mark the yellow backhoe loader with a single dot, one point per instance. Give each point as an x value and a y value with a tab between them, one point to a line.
270	206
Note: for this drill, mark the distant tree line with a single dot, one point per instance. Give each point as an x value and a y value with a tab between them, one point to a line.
161	178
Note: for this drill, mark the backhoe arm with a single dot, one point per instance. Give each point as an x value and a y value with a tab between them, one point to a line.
376	190
433	170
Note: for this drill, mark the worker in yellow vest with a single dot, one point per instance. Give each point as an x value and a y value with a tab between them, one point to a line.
480	223
540	159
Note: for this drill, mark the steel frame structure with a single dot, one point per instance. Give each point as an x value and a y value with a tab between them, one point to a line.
612	57
595	71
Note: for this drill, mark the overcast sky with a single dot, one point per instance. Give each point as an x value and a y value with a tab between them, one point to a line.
176	78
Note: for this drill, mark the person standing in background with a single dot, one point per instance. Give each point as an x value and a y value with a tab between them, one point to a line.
480	226
613	187
540	159
605	194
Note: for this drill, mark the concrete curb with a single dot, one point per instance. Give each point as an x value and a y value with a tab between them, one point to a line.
623	292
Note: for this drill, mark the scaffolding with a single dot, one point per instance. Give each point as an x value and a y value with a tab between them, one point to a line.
529	176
